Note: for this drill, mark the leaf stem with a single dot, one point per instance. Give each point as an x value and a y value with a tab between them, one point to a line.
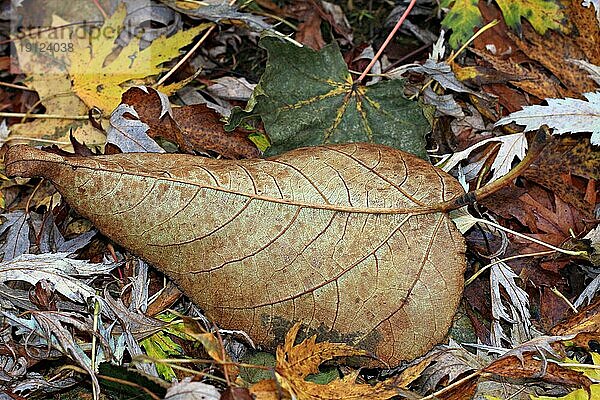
20	87
531	239
538	144
387	41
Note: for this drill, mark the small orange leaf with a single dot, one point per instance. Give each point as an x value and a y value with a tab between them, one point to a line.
295	363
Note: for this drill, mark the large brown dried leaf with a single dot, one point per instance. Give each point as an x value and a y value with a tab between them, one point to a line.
321	235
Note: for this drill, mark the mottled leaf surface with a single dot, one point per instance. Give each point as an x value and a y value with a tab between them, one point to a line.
332	236
306	98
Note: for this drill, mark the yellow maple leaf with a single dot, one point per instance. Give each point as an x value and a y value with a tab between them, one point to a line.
99	81
295	363
47	75
91	73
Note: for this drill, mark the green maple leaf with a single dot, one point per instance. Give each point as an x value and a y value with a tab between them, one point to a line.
463	17
307	98
542	14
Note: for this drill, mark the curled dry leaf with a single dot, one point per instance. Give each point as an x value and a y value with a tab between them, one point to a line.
339	237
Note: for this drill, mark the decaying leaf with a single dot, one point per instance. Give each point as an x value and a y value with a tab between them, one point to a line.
56	268
17	237
542	14
188	390
462	18
295	363
517	314
307	98
146	113
563	115
329	236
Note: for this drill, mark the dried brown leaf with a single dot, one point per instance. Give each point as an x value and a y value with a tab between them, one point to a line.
326	235
532	368
194	128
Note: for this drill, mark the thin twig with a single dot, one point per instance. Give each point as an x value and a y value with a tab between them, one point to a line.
387	41
185	58
111	379
32	194
482	270
563	298
531	239
20	87
99	7
43	116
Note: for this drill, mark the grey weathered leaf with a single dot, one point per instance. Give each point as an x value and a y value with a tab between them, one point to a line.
56	268
449	362
444	104
4	132
17	238
128	133
502	277
49	327
219	11
72	245
148	21
588	293
11	368
593	70
188	390
511	147
562	115
442	73
50	238
231	88
37	384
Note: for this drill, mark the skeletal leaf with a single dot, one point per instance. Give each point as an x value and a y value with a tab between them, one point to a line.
339	237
